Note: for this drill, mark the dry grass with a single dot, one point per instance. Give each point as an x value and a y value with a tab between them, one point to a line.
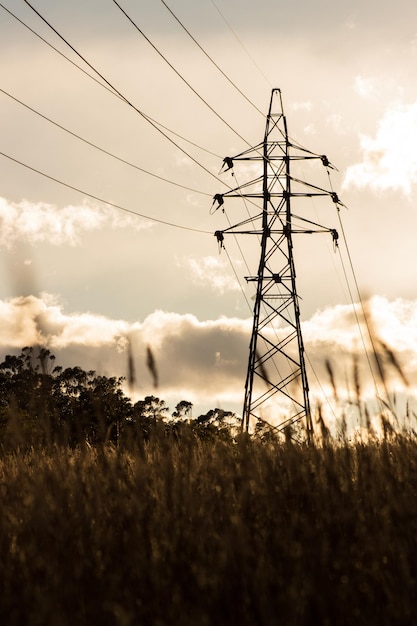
191	532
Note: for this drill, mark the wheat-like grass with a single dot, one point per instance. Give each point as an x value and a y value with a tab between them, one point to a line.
200	532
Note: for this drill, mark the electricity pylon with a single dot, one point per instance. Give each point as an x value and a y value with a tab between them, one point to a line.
276	388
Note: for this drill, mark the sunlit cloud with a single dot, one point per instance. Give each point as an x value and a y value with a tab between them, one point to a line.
336	122
201	360
212	271
31	320
364	86
182	160
345	334
243	172
302	106
310	129
390	158
193	200
41	222
207	356
204	361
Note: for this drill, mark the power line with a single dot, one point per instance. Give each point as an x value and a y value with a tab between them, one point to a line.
211	60
143	115
56	50
237	278
179	74
367	324
93	145
365	316
240	42
90	195
109	89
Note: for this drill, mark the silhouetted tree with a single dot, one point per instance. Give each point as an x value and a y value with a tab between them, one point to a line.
41	402
183	410
217	422
91	407
54	403
25	392
147	415
151	407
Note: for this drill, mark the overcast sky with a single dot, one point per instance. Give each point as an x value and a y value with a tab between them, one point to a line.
85	277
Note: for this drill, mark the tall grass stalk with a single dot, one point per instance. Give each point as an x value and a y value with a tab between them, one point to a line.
185	532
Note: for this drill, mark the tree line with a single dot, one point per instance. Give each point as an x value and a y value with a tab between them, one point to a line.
42	402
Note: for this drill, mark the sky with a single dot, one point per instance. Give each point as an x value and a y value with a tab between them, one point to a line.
121	256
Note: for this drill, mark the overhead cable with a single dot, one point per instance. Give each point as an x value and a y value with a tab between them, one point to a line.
169	130
240	42
365	317
116	206
237	278
93	145
56	50
121	96
211	60
179	74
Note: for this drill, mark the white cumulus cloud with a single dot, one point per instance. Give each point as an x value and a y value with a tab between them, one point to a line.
389	159
364	86
302	106
212	271
41	222
204	361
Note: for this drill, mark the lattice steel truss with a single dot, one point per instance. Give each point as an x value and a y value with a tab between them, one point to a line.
276	388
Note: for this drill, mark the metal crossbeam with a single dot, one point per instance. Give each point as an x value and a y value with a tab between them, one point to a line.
276	384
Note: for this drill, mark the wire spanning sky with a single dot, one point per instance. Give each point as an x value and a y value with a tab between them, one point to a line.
114	126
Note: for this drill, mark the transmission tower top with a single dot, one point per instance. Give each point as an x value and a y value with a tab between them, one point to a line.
276	387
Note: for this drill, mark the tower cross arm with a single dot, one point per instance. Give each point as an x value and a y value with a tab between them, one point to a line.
276	384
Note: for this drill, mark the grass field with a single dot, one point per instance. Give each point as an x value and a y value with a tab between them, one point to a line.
193	532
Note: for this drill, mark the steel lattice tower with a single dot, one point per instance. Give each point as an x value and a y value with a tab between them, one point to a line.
276	373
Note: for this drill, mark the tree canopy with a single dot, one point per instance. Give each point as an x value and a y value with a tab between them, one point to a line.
40	401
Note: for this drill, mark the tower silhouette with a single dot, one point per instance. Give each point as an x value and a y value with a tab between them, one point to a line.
276	387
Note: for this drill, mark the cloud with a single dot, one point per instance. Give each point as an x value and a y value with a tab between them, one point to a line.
302	106
30	320
336	123
212	271
182	160
208	358
390	158
205	361
41	222
196	360
364	87
345	334
310	129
